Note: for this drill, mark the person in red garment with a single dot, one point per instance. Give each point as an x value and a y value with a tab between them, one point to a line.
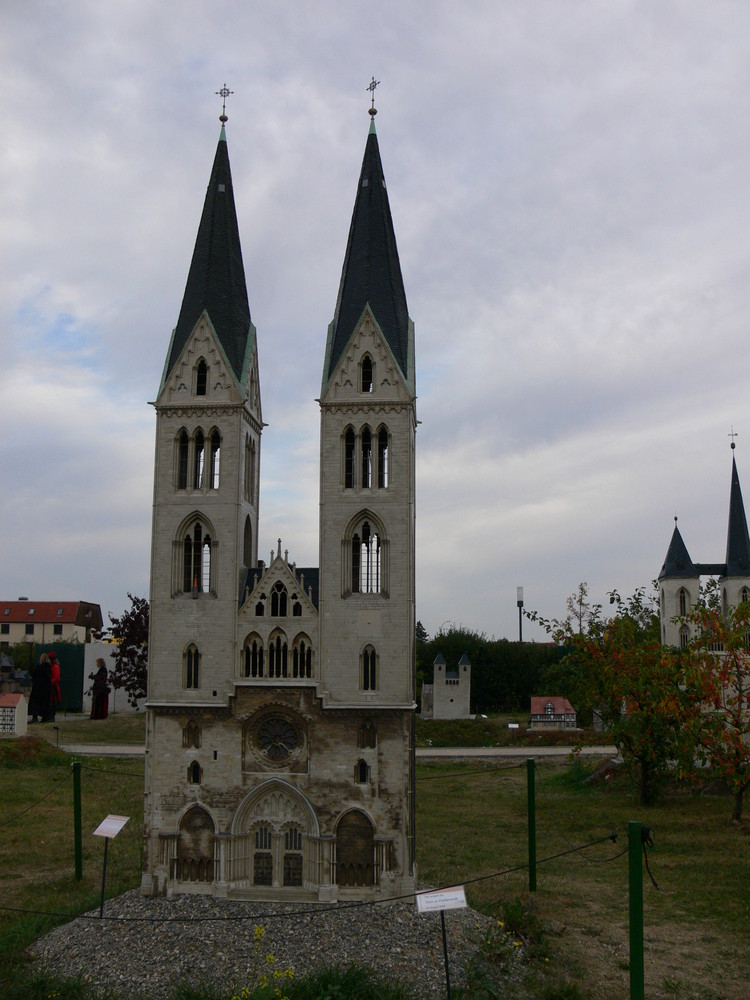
54	693
100	692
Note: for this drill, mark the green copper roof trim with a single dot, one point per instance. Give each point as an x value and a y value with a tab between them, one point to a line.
240	382
222	135
368	313
372	126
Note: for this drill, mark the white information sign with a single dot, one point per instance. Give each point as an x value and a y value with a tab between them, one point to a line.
442	899
111	826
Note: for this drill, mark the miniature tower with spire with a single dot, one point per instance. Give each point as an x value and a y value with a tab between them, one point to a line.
679	578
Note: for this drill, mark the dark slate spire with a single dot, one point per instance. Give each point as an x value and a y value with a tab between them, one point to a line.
738	541
372	272
216	280
678	563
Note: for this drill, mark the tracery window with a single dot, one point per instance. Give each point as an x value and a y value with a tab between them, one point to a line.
277	655
369	669
192	662
253	656
684	637
196	560
301	657
278	600
191	735
366	560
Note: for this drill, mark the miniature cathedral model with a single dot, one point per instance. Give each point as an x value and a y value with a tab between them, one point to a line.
280	730
679	579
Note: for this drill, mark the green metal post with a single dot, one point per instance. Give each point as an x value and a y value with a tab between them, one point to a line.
635	869
531	803
77	818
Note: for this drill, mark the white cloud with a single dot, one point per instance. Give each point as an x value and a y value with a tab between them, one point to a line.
567	183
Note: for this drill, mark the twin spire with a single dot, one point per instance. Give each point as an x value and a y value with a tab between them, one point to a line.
678	563
371	274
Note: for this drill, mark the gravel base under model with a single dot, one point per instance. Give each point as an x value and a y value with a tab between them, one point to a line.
159	943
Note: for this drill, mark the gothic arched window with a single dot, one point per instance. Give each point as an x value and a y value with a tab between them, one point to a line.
278	600
194	773
349	443
199	459
366	451
369	669
365	557
253	656
277	654
684	600
213	481
383	455
192	663
196	560
366	373
302	657
201	378
191	735
182	460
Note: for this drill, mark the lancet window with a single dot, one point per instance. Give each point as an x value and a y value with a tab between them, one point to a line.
369	669
213	483
191	665
366	372
182	460
199	459
196	560
278	655
201	378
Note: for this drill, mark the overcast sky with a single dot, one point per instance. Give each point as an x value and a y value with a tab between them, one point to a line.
569	183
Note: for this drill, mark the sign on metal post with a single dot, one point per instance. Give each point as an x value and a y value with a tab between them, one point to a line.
442	900
109	827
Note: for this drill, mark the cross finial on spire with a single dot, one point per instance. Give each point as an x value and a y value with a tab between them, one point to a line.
371	87
224	94
732	434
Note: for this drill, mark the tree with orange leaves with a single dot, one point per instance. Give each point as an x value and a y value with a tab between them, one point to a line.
719	654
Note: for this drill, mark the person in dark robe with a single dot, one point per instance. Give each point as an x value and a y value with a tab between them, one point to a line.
41	684
100	692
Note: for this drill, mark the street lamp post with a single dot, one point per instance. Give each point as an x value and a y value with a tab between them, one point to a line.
519	602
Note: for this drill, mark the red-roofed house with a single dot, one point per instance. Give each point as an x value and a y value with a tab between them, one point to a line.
47	621
552	713
14	710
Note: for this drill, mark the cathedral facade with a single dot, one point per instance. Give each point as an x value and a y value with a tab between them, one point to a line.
280	729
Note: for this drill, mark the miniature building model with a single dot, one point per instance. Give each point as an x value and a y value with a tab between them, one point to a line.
449	695
14	710
552	713
679	579
280	739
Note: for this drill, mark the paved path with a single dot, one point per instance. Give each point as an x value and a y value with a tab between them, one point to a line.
423	753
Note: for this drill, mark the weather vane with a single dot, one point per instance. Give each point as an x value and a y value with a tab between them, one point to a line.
372	85
224	94
732	434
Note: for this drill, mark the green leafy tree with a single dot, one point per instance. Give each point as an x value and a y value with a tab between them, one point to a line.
640	688
130	630
719	654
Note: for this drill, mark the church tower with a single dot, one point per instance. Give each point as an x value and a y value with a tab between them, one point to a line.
679	578
280	733
205	513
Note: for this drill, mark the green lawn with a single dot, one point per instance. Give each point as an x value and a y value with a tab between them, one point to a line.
471	823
